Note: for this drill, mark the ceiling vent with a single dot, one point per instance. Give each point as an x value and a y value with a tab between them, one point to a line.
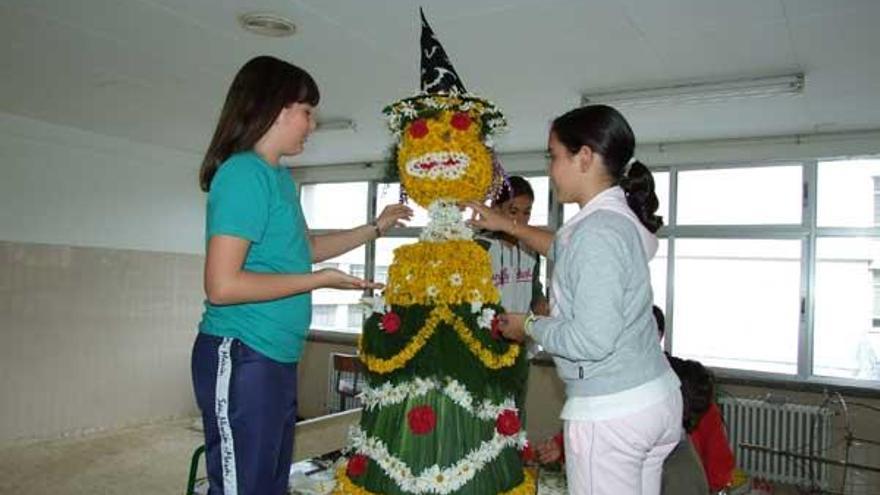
264	24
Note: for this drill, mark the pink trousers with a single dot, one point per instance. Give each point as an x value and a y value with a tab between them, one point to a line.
622	456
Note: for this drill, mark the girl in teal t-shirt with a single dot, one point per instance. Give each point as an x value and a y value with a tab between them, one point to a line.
258	277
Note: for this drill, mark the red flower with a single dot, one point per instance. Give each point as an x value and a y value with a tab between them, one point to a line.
527	453
507	422
496	328
461	121
421	419
390	322
357	465
418	129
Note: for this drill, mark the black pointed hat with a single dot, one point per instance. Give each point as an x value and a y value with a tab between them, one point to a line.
438	75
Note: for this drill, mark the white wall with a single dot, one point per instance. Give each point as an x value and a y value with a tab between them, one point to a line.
60	185
100	280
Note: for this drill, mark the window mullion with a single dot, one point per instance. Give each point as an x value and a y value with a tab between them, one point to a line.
370	247
670	259
808	272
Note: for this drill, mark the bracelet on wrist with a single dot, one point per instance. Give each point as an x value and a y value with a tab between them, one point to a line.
375	225
528	325
513	227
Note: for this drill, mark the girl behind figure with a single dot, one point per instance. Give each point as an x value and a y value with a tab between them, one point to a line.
258	278
516	269
622	414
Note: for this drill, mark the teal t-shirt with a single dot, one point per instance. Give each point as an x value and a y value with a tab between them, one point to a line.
253	200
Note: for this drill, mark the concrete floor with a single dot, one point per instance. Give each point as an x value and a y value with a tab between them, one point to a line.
143	460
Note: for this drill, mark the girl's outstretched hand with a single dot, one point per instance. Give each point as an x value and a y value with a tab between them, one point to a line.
332	278
549	451
393	216
487	218
512	326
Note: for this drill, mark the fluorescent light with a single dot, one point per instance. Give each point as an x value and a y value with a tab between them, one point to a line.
336	125
701	92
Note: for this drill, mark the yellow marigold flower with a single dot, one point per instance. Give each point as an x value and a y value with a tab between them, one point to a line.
459	271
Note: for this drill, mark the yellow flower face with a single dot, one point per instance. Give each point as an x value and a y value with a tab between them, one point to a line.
444	157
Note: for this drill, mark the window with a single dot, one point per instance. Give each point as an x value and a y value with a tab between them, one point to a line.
846	326
844	343
324	315
737	303
540	208
389	194
385	254
847	193
355	317
334	206
658	266
740	196
352	262
754	260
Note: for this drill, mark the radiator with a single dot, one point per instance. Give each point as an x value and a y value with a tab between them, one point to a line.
795	428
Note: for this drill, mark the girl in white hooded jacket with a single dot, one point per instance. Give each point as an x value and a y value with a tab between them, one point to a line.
622	414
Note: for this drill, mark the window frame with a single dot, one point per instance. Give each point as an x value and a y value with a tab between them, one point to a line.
807	232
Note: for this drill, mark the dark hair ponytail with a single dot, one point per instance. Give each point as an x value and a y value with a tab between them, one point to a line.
263	86
604	130
638	184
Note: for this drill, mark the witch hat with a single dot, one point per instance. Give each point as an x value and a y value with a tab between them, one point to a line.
438	75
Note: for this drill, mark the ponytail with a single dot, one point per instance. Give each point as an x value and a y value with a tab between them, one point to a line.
638	184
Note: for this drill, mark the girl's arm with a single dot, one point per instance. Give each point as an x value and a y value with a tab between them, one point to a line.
327	246
596	282
227	283
535	238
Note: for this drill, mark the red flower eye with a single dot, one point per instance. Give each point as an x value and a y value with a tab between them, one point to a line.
418	129
461	121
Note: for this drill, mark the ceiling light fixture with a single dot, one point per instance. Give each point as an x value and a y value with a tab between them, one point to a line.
336	125
701	92
265	24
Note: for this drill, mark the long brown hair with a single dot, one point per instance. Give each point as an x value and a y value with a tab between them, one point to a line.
262	87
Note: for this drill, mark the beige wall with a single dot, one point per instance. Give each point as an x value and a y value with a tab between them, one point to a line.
93	338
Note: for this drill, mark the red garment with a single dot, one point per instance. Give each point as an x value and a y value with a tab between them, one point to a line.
710	440
560	442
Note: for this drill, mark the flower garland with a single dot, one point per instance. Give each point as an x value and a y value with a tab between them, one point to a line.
425	105
434	479
389	395
449	272
487	357
399	360
438	315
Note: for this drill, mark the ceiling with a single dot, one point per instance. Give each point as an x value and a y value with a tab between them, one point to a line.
156	71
